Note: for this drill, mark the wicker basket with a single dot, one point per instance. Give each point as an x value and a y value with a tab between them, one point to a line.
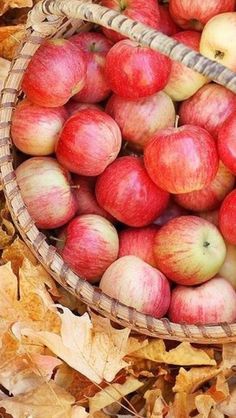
62	18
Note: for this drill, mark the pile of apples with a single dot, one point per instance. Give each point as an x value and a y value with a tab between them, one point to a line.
131	160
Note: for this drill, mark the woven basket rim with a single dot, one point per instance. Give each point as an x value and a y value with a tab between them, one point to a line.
48	19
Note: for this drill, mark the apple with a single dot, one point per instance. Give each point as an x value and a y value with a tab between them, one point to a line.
35	129
95	47
89	244
228	269
140	10
73	107
227	218
211	216
213	302
138	242
126	191
136	284
166	24
46	190
134	71
172	211
181	160
209	197
184	82
139	120
89	141
227	142
86	199
217	39
55	73
194	14
4	69
209	107
189	250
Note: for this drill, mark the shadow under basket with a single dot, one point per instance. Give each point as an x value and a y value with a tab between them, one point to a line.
63	18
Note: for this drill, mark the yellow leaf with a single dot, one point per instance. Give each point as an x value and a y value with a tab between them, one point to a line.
155	405
228	406
10	39
113	393
220	390
16	253
190	381
7	229
205	404
228	356
179	409
183	355
94	349
5	5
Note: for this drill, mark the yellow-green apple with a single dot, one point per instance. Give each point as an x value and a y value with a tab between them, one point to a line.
46	190
210	216
209	107
4	69
56	72
228	269
227	142
134	71
217	41
194	14
210	303
137	284
89	244
138	242
146	116
126	191
95	47
172	211
35	129
184	82
143	11
189	250
166	23
227	218
209	197
181	160
89	141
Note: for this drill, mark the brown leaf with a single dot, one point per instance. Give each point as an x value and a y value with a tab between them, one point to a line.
7	229
10	39
16	253
205	404
228	406
190	381
228	356
181	406
5	5
155	404
220	390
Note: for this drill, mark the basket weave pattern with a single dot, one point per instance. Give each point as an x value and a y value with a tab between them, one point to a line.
62	18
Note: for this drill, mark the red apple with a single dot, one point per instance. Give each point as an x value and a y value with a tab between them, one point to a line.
134	283
73	107
209	197
139	120
55	73
138	242
89	245
46	190
172	211
143	11
95	47
228	269
208	108
35	129
227	142
209	303
181	160
189	250
126	191
184	82
90	140
211	216
134	71
227	218
86	200
194	14
166	23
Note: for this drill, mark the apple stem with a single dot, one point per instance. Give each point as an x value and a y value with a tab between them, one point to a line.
176	121
206	244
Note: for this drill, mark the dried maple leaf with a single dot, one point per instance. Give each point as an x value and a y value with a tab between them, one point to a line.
10	39
220	390
7	229
205	404
16	253
228	406
189	381
113	392
5	5
94	349
183	355
155	405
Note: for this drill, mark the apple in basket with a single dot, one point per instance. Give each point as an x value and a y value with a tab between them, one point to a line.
227	142
46	190
166	23
189	250
210	303
227	218
228	269
134	71
193	14
95	47
145	116
89	244
126	191
181	160
55	73
35	129
73	107
137	284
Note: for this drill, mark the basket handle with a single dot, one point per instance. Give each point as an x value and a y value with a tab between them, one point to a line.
145	35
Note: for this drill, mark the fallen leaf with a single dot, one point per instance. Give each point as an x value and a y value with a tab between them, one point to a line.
113	392
7	229
183	355
78	412
189	381
205	404
228	356
220	390
16	253
5	5
94	349
10	39
4	68
155	404
228	406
